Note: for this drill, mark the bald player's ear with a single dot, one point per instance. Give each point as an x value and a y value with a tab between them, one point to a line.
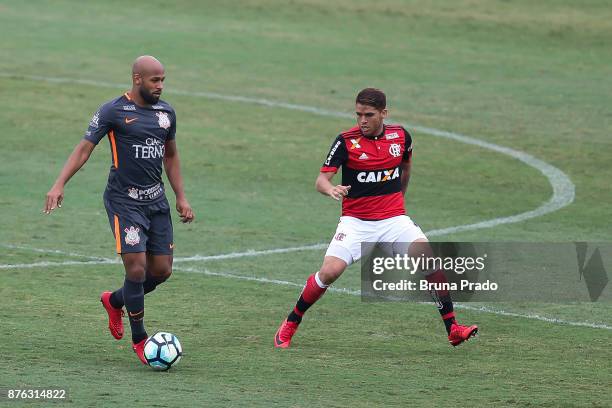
137	78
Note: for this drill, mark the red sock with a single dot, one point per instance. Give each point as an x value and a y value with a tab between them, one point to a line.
310	294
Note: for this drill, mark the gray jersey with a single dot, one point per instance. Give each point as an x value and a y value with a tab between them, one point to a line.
137	137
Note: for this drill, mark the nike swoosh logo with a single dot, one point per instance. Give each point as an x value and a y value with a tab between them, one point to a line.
135	314
128	121
277	339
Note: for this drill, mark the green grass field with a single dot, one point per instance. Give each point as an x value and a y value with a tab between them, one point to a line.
532	76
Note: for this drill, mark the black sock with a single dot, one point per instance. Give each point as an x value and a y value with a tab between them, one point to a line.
149	285
447	313
442	298
298	311
133	297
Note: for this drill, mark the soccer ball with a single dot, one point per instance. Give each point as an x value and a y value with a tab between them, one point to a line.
163	350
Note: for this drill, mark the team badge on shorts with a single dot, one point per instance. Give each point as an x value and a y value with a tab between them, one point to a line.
163	119
131	236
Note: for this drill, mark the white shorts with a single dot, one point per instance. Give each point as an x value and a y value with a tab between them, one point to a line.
351	232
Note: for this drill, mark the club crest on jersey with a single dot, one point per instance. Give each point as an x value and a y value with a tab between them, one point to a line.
355	144
131	236
395	150
378	176
163	119
391	136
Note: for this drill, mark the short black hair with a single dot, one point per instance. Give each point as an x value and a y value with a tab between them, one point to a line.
372	97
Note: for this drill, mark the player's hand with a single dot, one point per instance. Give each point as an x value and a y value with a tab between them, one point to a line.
337	192
184	210
55	196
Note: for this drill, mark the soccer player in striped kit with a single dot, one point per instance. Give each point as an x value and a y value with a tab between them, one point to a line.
375	159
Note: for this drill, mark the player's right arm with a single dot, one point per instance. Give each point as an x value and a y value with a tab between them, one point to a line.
326	187
100	124
336	157
75	161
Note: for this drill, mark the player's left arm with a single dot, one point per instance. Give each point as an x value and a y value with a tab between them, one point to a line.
172	165
405	166
406	163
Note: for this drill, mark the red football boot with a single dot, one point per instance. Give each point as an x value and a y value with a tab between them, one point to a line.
459	334
139	350
115	324
282	338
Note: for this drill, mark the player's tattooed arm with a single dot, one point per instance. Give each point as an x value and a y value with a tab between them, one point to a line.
325	186
75	161
173	171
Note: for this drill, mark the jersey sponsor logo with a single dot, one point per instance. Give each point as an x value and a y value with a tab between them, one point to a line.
378	176
363	156
332	152
146	194
355	144
157	107
163	120
94	120
129	107
395	150
131	236
88	133
152	149
391	136
129	120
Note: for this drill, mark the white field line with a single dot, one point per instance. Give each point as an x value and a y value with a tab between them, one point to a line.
194	258
250	252
563	188
352	292
47	264
53	251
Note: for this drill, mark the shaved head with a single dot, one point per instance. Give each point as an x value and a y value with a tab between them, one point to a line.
148	78
146	64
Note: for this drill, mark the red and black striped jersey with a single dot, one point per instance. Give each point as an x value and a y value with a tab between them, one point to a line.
371	166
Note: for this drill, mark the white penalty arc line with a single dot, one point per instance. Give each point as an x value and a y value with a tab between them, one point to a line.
563	188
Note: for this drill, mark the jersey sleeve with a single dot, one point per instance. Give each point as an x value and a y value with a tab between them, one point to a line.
101	123
336	157
408	146
172	130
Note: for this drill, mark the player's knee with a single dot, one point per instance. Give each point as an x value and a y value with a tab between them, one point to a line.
135	272
330	272
165	274
161	273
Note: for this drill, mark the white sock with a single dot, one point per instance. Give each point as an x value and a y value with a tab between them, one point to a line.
321	284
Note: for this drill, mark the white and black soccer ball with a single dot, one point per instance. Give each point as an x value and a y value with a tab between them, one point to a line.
163	350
